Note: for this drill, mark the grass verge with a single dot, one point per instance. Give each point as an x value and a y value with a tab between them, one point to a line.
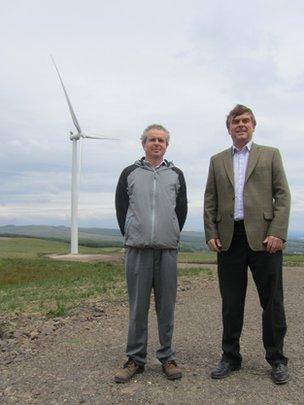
39	286
196	271
32	284
42	286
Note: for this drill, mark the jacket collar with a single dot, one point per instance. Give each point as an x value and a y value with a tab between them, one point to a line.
253	159
142	163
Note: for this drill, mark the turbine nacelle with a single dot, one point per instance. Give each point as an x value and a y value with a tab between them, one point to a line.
75	137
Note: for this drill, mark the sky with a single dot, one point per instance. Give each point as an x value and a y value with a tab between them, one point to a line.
125	65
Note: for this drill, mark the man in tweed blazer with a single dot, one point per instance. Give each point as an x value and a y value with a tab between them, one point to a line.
246	211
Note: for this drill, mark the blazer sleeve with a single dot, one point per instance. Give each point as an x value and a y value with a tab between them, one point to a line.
210	205
281	197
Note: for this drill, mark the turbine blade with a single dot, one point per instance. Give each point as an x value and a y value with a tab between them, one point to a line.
76	123
99	137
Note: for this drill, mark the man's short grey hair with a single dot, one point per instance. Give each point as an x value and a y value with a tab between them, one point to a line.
159	127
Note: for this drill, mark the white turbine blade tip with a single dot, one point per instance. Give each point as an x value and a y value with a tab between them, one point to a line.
73	115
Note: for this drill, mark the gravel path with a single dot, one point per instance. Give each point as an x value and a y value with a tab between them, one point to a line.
75	361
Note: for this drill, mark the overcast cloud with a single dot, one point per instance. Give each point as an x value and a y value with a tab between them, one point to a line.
125	65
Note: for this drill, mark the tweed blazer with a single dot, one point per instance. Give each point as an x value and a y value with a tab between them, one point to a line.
266	197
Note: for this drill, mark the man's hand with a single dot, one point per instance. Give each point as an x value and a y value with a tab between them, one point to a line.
215	245
273	244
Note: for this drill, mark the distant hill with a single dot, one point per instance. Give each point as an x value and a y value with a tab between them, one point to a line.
296	235
190	240
87	236
92	236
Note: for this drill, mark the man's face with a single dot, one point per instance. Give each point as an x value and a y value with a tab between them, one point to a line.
241	129
155	145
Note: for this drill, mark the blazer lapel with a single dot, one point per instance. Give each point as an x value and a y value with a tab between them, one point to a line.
229	165
253	159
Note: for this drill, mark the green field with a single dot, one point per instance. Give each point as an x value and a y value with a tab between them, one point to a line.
33	247
293	260
33	284
200	256
204	257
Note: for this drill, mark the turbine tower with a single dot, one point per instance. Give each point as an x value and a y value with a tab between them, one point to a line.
75	167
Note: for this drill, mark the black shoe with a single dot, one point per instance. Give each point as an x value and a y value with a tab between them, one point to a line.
280	373
223	369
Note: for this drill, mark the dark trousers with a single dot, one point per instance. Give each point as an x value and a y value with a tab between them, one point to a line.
266	270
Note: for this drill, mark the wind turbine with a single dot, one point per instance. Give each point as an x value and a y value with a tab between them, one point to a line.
75	167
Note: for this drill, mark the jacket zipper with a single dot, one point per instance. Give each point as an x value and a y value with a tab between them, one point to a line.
153	206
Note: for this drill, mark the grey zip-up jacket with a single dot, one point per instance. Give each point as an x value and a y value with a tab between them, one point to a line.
151	205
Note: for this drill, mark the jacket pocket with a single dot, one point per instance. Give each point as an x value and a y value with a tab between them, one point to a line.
268	215
218	218
176	225
127	223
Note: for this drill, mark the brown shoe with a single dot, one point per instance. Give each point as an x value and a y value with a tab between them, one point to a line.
171	369
129	369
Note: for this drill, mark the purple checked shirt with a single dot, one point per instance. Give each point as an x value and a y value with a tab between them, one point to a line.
240	162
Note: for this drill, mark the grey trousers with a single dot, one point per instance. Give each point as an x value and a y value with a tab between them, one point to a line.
147	269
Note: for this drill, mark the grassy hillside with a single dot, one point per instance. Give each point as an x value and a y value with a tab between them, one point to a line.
32	283
94	237
102	237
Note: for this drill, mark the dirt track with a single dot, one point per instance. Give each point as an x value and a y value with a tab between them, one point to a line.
75	362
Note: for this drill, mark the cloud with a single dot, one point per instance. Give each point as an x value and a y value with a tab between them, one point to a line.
182	64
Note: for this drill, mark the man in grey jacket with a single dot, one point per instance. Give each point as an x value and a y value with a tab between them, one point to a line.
151	209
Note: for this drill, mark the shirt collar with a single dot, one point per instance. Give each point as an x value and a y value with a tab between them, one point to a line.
155	167
246	147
